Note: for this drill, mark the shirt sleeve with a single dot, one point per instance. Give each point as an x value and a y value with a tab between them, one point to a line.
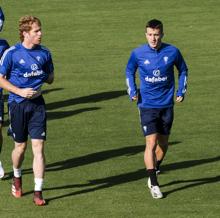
130	75
49	68
3	47
182	76
6	63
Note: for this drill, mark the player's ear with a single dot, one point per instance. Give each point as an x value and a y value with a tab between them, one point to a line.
25	34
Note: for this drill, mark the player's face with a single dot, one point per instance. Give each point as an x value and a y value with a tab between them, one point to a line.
154	37
34	35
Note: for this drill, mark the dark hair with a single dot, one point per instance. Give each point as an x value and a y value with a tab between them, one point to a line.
155	24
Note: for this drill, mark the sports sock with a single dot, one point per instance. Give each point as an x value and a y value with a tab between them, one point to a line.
153	177
158	164
17	172
38	184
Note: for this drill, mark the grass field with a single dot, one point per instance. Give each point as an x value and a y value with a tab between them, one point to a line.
95	146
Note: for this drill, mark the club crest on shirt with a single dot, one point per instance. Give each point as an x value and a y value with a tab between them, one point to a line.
34	67
165	58
156	73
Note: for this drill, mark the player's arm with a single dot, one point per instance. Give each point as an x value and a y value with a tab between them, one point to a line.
49	69
25	92
130	77
50	78
5	67
182	77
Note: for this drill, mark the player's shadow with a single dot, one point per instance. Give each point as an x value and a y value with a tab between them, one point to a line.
98	184
87	159
192	183
97	157
92	158
61	114
102	96
187	164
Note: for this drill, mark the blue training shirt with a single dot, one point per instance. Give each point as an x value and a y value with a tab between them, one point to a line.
156	74
3	46
26	68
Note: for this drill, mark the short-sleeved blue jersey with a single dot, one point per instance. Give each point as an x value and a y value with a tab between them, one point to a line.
156	73
26	68
3	46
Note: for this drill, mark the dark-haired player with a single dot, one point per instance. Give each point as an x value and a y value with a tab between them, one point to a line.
155	62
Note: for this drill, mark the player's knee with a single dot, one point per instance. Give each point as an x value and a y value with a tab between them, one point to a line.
20	147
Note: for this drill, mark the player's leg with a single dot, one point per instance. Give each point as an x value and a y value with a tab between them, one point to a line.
161	149
149	126
149	157
18	130
17	159
38	168
37	132
165	125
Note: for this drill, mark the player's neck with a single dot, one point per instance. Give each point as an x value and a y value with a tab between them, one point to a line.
28	45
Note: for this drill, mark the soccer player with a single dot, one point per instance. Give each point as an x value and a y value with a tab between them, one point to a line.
155	98
3	46
23	70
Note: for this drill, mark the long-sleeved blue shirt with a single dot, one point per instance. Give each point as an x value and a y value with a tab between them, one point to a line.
156	74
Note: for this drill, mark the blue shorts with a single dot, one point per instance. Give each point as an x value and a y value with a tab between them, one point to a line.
1	107
156	120
27	118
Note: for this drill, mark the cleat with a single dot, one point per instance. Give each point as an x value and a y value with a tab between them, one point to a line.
155	192
2	172
16	188
149	183
38	199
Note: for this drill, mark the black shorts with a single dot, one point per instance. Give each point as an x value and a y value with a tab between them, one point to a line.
156	120
27	118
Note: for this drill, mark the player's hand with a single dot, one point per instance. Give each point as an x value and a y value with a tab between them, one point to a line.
179	99
27	92
134	98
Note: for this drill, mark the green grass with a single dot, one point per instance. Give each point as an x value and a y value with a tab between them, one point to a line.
95	146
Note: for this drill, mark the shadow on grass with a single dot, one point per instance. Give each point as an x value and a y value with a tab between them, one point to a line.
102	96
137	175
87	159
90	158
94	158
194	182
61	114
188	164
98	184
